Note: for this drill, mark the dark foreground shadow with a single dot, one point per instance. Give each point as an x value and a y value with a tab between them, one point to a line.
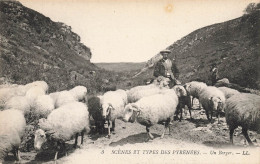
96	135
133	139
49	154
200	122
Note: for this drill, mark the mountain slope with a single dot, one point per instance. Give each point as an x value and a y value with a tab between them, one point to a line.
32	47
232	45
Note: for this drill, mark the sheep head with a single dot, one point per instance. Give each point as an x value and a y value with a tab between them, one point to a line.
187	86
39	139
180	90
162	82
106	110
216	104
130	112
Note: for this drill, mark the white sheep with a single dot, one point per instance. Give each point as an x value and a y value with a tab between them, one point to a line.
138	92
224	80
20	103
194	88
41	84
12	127
152	109
243	110
113	103
79	93
43	105
5	95
62	124
61	98
212	99
228	92
10	90
33	93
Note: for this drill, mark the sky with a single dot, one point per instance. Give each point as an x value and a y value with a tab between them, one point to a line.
135	30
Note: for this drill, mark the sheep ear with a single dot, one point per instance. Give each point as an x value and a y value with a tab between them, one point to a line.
210	98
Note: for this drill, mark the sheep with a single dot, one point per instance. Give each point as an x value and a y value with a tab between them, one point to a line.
8	91
79	93
61	98
224	80
138	92
8	85
233	86
95	110
20	103
228	92
62	124
243	110
33	93
184	99
41	84
12	126
113	103
194	88
152	109
43	105
212	99
5	95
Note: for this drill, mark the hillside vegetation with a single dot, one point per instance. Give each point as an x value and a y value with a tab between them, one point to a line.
33	47
232	45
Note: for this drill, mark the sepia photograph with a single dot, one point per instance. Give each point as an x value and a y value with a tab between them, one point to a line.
132	81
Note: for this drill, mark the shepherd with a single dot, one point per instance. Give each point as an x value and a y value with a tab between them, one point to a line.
166	68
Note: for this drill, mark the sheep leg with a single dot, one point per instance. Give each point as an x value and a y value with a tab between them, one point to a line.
231	134
108	123
166	125
14	152
82	137
189	105
102	129
148	133
244	131
163	130
192	101
211	113
64	148
76	140
190	113
181	114
113	126
55	158
18	154
218	117
207	114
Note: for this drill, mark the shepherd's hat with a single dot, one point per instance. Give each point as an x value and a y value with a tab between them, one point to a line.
165	52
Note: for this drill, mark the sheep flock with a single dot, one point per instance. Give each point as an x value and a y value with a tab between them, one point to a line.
42	117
